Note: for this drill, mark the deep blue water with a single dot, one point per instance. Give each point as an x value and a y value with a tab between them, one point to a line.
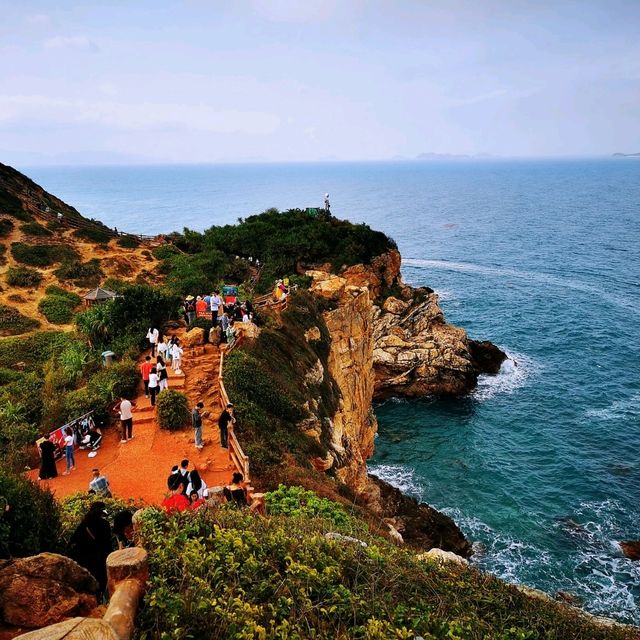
540	465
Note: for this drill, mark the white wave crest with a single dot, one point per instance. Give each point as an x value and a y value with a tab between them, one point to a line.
513	374
618	409
401	478
528	276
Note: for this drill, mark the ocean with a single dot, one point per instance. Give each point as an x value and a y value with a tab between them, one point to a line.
539	466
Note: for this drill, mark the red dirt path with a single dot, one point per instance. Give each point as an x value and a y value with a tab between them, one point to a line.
139	468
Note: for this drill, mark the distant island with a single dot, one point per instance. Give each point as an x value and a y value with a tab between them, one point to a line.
626	155
430	155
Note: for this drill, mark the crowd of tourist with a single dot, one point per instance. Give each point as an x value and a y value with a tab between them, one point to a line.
221	312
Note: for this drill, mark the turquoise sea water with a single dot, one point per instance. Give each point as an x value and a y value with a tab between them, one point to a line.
539	465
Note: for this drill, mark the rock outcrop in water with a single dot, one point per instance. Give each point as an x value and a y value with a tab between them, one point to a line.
393	345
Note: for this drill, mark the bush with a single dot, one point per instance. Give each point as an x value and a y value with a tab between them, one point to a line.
164	251
33	350
172	410
35	229
118	380
23	277
92	234
13	323
6	227
32	523
128	242
82	274
57	309
52	290
43	255
12	206
297	501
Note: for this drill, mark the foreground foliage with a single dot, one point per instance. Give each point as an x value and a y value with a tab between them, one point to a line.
230	574
172	410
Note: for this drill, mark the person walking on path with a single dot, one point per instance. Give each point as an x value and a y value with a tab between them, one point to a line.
163	375
126	419
100	484
190	309
196	421
176	357
153	335
225	418
153	385
69	442
145	370
163	347
216	303
48	462
90	543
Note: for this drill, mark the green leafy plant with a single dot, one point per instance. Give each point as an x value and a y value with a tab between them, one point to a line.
128	242
82	274
53	290
23	277
172	410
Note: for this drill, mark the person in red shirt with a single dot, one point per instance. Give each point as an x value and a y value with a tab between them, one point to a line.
145	370
196	501
175	502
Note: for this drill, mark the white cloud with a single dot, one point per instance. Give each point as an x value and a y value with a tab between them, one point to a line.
139	116
71	42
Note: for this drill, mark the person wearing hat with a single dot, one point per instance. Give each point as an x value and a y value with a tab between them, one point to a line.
225	418
190	309
91	543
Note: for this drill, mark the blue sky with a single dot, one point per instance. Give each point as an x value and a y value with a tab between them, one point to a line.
209	81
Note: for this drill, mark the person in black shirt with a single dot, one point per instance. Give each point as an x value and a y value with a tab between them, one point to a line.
48	463
225	418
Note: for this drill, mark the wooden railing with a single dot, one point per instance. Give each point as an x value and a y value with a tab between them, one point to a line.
81	223
236	455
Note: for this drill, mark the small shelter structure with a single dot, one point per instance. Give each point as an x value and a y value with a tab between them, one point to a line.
98	295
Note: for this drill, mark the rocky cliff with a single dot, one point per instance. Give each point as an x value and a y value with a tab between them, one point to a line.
386	345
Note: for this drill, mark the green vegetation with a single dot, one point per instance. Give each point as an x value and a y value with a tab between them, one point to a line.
58	309
53	290
266	379
23	277
12	206
32	522
172	409
281	241
34	350
81	274
43	255
229	574
6	227
13	323
128	242
92	234
35	229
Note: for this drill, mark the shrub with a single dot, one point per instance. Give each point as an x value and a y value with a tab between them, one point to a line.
13	323
32	522
57	309
110	383
92	234
128	242
12	206
33	350
35	229
54	225
52	290
42	255
6	227
297	501
23	277
164	251
82	274
172	410
3	257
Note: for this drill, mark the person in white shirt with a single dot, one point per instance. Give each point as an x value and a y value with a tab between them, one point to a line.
69	442
153	336
197	485
126	419
163	347
176	357
153	386
216	303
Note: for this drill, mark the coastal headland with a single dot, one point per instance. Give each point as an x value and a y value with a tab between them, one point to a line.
303	380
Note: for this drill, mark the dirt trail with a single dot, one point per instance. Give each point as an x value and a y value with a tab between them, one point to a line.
139	468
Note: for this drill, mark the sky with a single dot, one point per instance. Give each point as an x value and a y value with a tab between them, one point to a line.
196	81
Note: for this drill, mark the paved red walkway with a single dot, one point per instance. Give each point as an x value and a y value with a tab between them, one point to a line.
139	468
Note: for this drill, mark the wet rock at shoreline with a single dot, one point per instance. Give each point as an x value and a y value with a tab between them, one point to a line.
631	549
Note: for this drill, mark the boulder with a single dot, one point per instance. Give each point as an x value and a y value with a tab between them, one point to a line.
45	589
631	549
395	306
442	557
486	356
193	337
